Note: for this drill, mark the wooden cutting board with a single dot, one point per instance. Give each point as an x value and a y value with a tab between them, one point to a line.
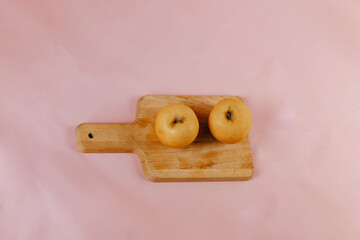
205	159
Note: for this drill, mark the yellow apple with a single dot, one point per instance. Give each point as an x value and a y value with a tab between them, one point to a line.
176	125
230	121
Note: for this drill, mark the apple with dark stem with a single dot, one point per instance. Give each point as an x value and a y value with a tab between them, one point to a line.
230	121
176	125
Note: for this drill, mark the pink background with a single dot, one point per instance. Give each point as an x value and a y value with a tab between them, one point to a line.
296	64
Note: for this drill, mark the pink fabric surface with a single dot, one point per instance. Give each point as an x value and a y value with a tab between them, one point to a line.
296	64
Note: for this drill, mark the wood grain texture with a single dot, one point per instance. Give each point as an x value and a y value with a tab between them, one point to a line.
205	159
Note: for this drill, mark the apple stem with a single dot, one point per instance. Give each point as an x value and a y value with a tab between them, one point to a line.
229	115
178	120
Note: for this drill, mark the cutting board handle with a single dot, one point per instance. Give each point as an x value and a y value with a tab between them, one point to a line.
105	137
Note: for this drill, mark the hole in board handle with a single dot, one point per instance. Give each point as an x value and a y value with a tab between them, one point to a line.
90	135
